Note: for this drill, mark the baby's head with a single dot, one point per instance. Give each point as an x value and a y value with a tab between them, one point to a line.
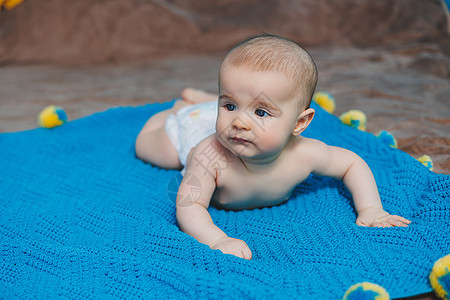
274	53
266	85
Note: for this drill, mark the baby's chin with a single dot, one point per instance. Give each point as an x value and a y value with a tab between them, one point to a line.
246	152
239	150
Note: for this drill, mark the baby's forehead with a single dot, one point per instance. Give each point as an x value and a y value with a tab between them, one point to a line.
284	79
283	75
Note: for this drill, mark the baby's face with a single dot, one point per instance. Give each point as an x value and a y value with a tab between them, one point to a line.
256	114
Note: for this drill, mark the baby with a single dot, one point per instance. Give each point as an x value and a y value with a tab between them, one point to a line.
245	150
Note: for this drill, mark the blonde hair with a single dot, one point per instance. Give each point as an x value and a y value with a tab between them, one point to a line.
268	52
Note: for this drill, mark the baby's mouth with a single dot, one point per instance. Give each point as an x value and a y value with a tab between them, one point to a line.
236	140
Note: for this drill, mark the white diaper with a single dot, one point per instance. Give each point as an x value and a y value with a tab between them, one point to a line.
189	126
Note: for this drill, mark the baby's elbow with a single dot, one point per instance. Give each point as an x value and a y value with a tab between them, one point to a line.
358	161
348	160
355	165
351	157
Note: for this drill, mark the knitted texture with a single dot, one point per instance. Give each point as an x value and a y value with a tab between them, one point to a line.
82	217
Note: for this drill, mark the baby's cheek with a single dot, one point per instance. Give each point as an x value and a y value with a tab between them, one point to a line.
270	140
224	119
220	125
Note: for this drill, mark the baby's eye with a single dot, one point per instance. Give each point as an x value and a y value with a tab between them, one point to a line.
230	107
261	113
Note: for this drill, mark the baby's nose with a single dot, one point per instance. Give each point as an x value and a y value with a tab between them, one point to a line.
240	124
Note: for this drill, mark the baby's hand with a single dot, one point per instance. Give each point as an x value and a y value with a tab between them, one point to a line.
377	217
233	246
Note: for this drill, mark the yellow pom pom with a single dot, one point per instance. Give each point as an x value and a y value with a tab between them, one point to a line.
366	290
387	138
354	118
426	161
10	4
325	100
440	277
52	116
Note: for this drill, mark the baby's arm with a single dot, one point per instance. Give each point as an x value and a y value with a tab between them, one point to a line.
355	173
192	214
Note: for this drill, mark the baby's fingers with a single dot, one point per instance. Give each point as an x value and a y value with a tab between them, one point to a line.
380	223
376	223
242	253
247	253
401	219
397	223
360	223
386	223
232	251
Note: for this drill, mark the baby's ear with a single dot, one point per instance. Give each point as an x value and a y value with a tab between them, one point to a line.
303	121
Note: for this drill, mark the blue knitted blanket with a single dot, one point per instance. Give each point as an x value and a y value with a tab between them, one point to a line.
82	217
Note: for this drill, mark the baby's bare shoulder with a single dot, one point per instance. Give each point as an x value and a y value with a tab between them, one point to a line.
309	151
209	155
210	147
310	147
